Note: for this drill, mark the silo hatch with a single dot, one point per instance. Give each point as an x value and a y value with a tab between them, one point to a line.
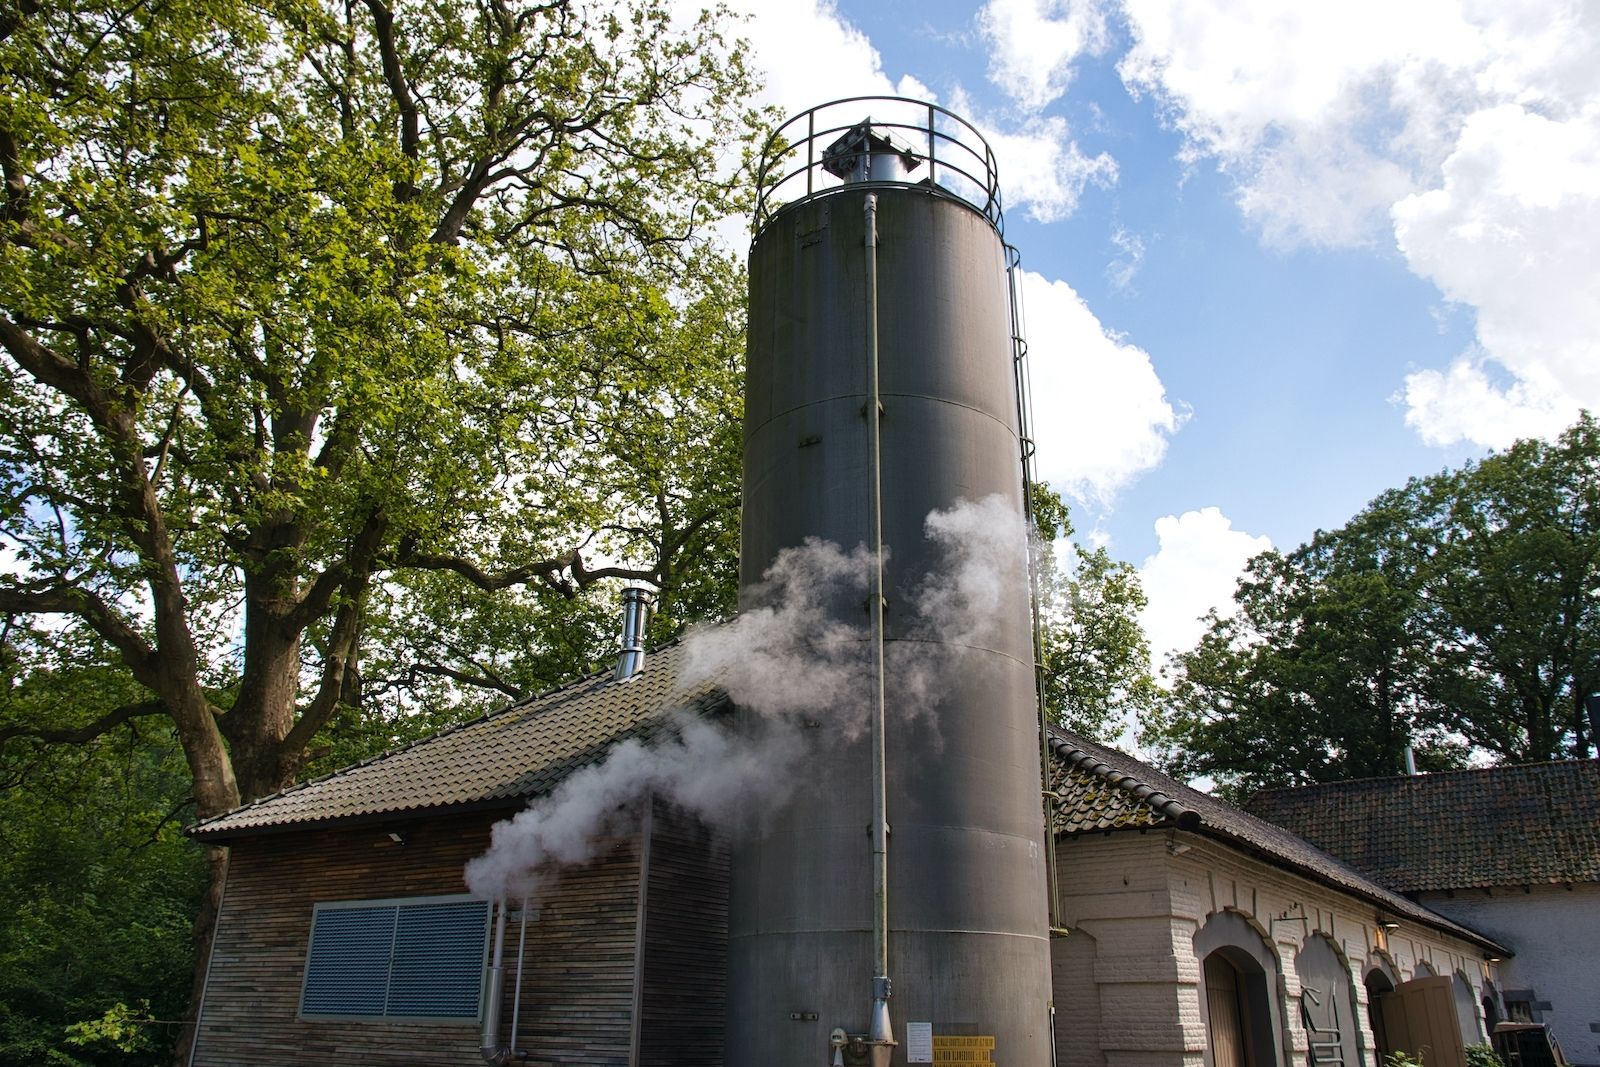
864	154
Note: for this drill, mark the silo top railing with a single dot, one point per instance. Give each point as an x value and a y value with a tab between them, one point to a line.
951	157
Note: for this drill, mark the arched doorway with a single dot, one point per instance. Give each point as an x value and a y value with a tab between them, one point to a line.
1467	1011
1378	986
1239	977
1491	1007
1327	1004
1231	1026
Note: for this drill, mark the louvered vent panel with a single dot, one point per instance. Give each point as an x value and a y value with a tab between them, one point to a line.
348	969
438	960
420	960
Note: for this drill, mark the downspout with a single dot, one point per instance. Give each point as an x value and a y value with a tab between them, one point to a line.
489	1046
880	1031
1019	366
516	989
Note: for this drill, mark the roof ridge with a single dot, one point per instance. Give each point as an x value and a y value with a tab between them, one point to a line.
1217	818
1424	776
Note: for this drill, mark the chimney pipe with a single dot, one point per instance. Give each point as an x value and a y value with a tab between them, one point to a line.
636	604
1411	760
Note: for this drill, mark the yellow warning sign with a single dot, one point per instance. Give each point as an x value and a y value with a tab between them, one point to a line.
975	1050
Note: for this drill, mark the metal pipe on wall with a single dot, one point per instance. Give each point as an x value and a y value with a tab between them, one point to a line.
1019	366
880	1031
489	1042
516	989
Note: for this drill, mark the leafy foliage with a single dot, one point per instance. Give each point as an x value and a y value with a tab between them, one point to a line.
1458	613
98	889
327	329
303	302
1482	1055
1096	658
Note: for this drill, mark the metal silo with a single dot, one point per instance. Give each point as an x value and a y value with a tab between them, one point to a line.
883	272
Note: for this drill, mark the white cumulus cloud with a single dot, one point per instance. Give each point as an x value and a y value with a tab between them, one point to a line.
808	54
1511	230
1195	569
1032	44
1042	169
1101	414
1466	132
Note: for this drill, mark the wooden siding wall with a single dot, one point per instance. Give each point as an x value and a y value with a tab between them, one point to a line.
577	985
579	970
684	970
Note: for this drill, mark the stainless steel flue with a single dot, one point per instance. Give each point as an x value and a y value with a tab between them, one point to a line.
636	603
899	360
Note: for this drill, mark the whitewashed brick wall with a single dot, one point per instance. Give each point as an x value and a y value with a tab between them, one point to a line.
1139	906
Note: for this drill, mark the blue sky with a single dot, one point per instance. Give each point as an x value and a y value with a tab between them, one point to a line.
1280	256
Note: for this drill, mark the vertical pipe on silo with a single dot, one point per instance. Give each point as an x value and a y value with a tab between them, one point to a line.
880	1031
1019	366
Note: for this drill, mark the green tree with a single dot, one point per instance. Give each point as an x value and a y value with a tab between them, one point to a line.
1095	654
313	309
1316	676
1456	613
299	297
98	890
1514	597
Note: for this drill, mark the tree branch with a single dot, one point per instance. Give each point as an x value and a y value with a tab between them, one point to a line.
394	76
104	724
54	370
155	832
483	681
548	571
341	650
356	567
129	643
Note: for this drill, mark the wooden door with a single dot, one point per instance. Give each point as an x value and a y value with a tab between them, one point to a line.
1419	1019
1226	1028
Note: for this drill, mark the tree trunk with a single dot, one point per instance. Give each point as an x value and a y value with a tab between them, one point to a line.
1580	728
255	728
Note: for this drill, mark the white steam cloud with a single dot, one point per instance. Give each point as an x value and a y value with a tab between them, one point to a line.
984	563
793	655
795	660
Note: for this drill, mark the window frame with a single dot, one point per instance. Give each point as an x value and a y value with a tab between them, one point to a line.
398	904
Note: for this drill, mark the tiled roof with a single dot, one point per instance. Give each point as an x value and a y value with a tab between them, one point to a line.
1110	790
518	752
1535	824
527	748
1094	797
